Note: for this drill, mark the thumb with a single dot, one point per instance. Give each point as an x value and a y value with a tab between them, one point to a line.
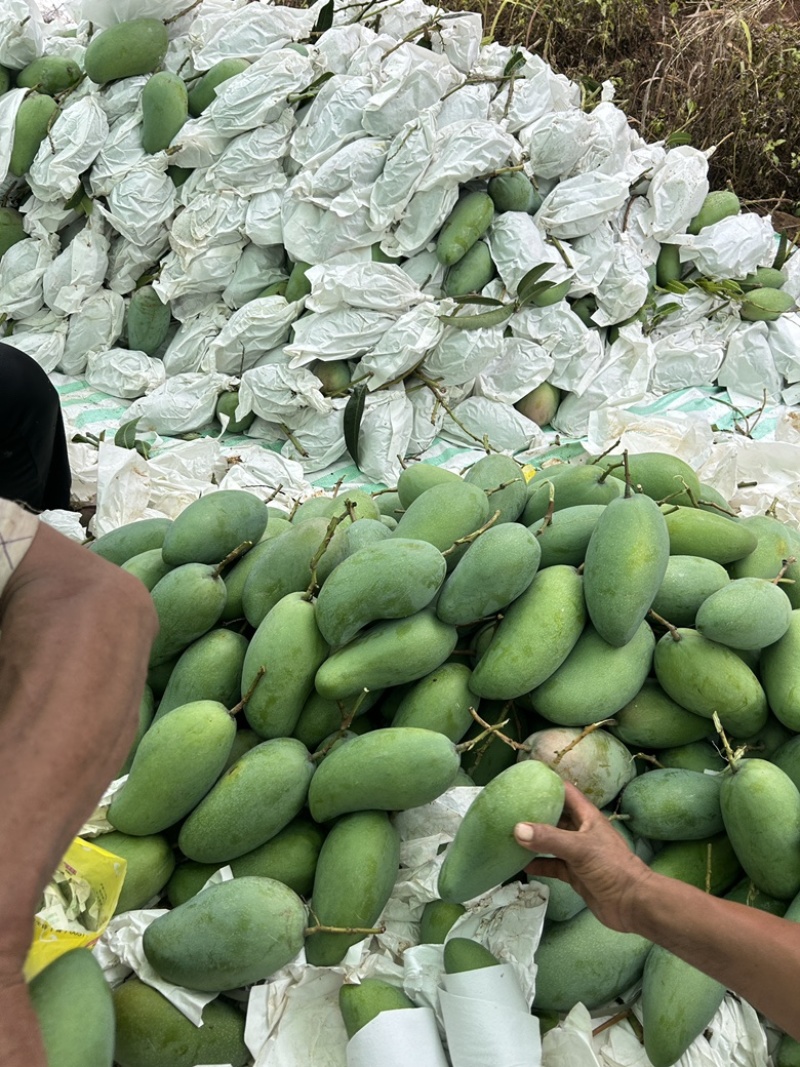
540	837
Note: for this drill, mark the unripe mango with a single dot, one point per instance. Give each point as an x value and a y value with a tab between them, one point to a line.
719	204
416	478
678	1003
360	1004
189	601
35	116
150	863
12	229
463	954
565	537
441	701
597	763
673	805
651	719
125	49
688	581
49	74
780	672
693	532
209	669
211	527
72	1003
438	918
129	540
747	613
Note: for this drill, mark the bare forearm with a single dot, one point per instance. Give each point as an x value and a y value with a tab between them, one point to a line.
73	659
754	954
20	1042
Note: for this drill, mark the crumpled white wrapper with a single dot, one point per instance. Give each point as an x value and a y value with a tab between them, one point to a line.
260	325
519	366
249	31
74	140
678	187
258	95
406	1038
461	355
685	356
274	390
42	336
505	428
487	1019
374	286
579	205
95	328
730	248
320	437
749	366
21	33
556	142
266	474
21	275
67	523
141	202
98	823
517	245
403	346
181	404
78	271
344	333
187	351
385	434
783	338
578	353
124	372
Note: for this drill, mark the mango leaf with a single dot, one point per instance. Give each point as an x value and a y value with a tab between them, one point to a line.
517	60
675	287
468	298
495	317
311	90
353	414
125	437
677	138
527	281
325	18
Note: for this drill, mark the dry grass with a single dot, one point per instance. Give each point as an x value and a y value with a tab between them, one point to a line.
714	72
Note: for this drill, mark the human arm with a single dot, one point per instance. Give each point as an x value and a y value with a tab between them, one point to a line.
755	954
76	636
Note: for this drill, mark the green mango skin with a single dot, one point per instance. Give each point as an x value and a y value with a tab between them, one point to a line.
36	114
583	961
391	579
179	759
416	478
673	805
537	633
150	863
483	582
126	49
237	576
493	471
12	228
187	880
226	824
747	893
565	538
775	543
441	701
463	954
384	770
149	567
766	741
146	705
243	741
688	861
49	74
657	475
693	532
120	545
356	872
232	934
703	677
712	500
693	756
787	757
484	852
289	646
213	526
747	613
209	669
353	504
761	812
688	582
787	1054
360	1004
473	271
72	1003
204	91
596	679
320	717
651	719
570	487
363	533
678	1003
147	322
151	1032
286	567
290	857
625	565
563	902
718	205
389	653
438	918
443	514
597	763
188	601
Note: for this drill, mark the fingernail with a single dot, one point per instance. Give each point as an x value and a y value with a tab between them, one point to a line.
524	833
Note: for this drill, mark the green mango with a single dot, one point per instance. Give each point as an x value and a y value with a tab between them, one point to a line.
389	653
440	701
416	478
787	1052
567	487
761	812
392	579
719	204
243	741
149	567
226	824
361	1003
471	273
151	1032
583	961
290	649
766	741
356	871
504	483
565	537
187	880
71	1000
363	533
787	757
12	228
236	577
678	1002
775	543
745	892
443	515
320	717
694	532
298	285
747	613
49	74
177	762
596	679
563	902
464	954
120	545
204	91
384	770
703	677
658	475
537	633
148	318
136	46
626	560
651	719
188	601
289	857
597	763
693	756
484	852
710	864
209	669
673	805
438	918
213	526
150	863
688	581
232	934
482	582
668	264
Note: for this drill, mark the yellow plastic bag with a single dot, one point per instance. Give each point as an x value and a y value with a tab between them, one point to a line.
79	903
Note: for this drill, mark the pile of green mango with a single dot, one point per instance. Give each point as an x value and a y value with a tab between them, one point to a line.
317	671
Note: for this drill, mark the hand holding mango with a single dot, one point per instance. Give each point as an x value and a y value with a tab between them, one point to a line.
751	952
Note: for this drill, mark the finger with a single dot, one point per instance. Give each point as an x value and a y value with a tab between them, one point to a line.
578	807
541	837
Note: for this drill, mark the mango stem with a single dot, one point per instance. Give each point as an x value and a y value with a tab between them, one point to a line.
673	630
473	536
320	928
648	759
732	757
262	670
779	578
313	584
240	550
620	1017
584	733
